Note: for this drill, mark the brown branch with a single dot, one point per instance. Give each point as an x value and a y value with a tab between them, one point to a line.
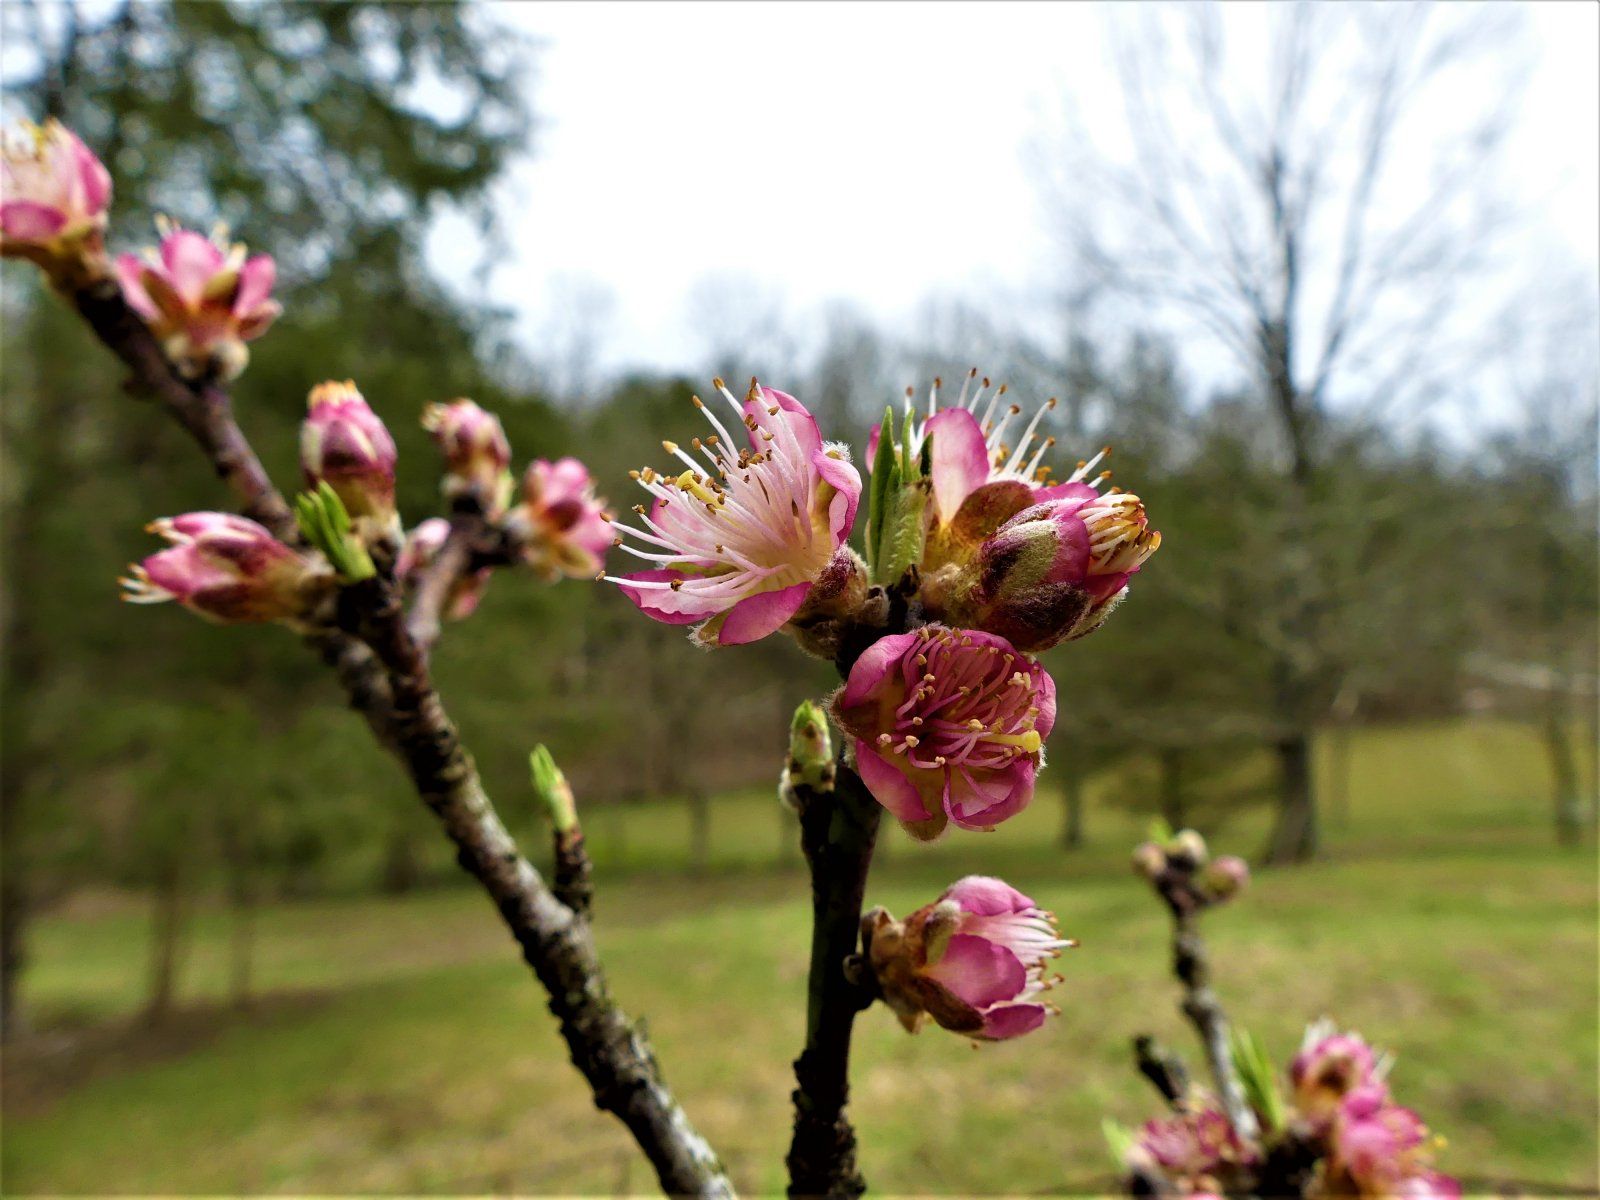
838	828
390	686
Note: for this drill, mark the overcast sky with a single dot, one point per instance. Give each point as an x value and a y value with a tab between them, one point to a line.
875	152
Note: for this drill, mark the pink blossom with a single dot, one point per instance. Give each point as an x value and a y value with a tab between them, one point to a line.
949	726
53	192
344	443
1330	1066
974	960
738	540
227	569
1193	1151
565	529
476	453
1382	1149
203	298
421	549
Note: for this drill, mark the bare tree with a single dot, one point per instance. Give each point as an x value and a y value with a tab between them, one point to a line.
1277	188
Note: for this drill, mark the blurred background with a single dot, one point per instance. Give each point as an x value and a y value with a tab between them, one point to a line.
1324	276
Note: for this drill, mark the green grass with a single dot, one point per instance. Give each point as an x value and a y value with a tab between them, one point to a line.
1443	923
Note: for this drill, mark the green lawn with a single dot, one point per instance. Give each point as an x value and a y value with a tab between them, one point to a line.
400	1047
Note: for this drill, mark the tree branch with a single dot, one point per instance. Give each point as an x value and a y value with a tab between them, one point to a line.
390	686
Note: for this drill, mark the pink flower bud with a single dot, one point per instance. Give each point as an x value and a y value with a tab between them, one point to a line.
343	442
227	569
476	453
1193	1151
738	540
1379	1148
974	960
1224	878
564	529
1330	1066
53	196
949	726
202	298
1149	860
421	549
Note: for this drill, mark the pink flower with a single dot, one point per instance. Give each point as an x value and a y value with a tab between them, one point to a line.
949	726
1193	1151
1379	1148
739	539
422	546
1050	573
974	960
476	453
202	298
345	443
1330	1066
565	530
53	193
227	569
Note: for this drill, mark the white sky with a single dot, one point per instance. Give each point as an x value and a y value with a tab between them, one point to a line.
869	151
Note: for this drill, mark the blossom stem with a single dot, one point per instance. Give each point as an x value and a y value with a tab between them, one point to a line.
384	672
837	831
1191	964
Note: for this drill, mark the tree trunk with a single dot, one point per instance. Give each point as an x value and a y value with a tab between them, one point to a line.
1339	776
1563	769
166	937
1072	804
699	830
1295	835
241	973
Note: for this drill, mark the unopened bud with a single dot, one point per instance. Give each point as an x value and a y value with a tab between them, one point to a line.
552	790
1149	860
810	750
1189	845
476	453
344	444
1224	878
54	194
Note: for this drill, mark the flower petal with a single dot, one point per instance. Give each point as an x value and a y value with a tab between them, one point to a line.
960	459
1012	1020
986	896
130	274
983	801
663	604
889	785
845	480
256	278
190	260
756	616
875	665
30	221
979	971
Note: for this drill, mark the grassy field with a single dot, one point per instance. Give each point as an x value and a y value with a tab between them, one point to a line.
398	1046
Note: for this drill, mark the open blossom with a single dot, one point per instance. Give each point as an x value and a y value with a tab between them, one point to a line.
476	453
1193	1151
228	569
565	530
974	960
420	550
739	538
344	443
202	298
1380	1149
949	725
53	193
1329	1066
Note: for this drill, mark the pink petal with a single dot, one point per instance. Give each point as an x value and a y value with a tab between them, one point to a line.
982	802
190	260
256	278
663	604
1065	491
130	272
30	221
790	412
986	896
873	668
254	325
960	459
565	479
889	785
846	482
1013	1020
979	971
94	181
756	616
1044	697
872	445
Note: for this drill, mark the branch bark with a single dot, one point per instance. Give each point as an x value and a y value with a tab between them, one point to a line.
1192	966
384	672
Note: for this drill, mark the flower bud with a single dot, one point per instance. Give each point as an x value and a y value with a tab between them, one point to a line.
810	762
552	790
1149	860
1330	1066
54	194
1189	848
1224	878
421	548
1192	1152
344	443
841	600
202	298
228	569
974	960
563	528
476	453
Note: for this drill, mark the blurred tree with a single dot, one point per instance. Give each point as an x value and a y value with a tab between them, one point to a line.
330	134
1280	210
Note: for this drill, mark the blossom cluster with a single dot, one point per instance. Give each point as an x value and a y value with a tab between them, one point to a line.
1340	1129
201	299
